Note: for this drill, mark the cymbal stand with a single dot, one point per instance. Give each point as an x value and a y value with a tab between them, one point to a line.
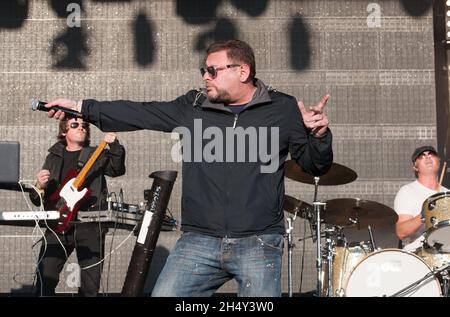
317	205
291	246
332	236
372	240
329	246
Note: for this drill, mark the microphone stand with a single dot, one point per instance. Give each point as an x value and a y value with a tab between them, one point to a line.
291	246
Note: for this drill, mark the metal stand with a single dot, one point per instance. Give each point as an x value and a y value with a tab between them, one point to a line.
317	205
445	283
329	244
291	246
412	286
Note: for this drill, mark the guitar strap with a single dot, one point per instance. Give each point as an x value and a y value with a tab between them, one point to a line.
83	158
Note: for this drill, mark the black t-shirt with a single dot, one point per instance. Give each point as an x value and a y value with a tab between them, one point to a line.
70	161
236	108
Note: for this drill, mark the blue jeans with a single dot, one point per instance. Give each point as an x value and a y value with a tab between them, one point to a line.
199	264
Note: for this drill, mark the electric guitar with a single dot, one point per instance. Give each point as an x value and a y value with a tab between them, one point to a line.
69	197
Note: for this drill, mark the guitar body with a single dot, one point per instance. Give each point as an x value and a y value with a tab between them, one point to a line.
66	200
70	200
53	202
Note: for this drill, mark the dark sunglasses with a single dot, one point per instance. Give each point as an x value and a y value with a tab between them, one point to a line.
212	71
426	153
75	125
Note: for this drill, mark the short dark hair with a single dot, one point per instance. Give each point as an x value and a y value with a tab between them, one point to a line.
63	128
237	51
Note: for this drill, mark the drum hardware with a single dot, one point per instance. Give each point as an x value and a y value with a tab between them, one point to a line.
318	207
372	240
310	237
336	175
291	246
329	255
295	207
411	287
445	283
436	259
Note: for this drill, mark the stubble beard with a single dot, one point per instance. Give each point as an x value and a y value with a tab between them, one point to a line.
221	96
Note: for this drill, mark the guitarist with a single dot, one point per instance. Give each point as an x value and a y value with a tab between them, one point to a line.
66	157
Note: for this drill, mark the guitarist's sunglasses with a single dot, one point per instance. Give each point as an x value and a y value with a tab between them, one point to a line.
75	125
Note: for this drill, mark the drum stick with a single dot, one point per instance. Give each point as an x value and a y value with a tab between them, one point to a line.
442	174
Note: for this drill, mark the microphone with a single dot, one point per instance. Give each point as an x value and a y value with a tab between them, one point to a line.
40	105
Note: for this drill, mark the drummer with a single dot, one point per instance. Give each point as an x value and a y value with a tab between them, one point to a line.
409	199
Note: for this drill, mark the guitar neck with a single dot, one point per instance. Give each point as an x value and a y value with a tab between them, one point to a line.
79	180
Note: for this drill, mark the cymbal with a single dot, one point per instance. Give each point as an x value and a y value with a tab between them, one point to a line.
337	175
360	212
292	205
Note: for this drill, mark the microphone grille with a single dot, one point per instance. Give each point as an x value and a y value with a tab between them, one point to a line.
34	104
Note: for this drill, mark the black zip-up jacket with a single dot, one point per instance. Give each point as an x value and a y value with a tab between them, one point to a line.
111	163
225	198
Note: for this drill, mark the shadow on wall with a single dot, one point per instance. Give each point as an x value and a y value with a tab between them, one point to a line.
159	259
300	46
197	12
417	8
202	12
69	49
13	13
252	8
223	30
144	43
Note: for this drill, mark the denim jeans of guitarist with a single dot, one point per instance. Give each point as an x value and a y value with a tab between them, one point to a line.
199	264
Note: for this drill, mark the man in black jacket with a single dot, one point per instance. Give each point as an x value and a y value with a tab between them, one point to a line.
236	135
66	156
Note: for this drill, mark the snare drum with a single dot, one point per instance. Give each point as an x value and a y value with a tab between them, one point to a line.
386	272
436	212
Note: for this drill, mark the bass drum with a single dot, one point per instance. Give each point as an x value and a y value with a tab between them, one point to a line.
387	272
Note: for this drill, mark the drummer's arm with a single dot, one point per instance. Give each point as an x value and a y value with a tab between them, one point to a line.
407	225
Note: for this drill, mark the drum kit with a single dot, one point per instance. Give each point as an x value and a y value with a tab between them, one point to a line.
359	269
